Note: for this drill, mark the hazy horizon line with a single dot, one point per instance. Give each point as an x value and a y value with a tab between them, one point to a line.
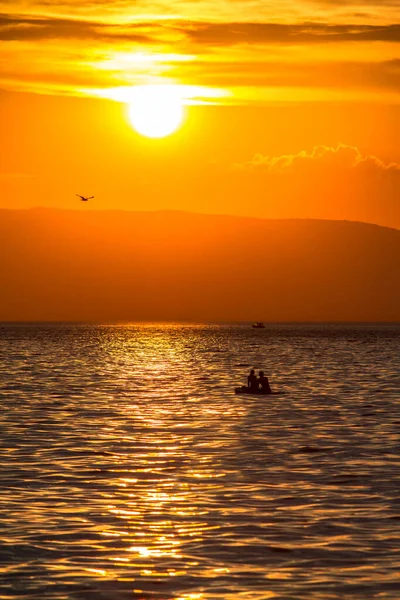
202	322
188	212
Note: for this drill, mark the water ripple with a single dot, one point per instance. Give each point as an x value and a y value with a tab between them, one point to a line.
130	469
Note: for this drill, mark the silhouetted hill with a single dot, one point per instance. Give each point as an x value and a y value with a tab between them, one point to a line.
92	265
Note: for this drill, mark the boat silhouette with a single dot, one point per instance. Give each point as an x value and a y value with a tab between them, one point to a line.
249	392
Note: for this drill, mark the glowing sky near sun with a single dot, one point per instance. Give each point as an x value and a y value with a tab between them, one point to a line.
290	109
259	50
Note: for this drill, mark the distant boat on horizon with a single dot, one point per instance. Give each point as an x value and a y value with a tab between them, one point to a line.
258	326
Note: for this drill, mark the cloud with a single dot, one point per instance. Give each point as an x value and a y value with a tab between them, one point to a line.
342	158
342	75
256	61
379	3
27	28
279	33
203	7
332	183
24	27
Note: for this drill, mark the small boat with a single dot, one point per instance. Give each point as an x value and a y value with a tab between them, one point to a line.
258	326
246	390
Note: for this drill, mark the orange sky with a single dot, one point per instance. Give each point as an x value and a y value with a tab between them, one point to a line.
292	107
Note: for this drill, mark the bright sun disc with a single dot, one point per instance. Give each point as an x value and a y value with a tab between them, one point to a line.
155	112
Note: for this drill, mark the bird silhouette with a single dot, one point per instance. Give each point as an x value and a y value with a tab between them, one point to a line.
83	198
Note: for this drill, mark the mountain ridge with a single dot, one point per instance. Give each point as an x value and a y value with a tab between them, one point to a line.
79	265
167	211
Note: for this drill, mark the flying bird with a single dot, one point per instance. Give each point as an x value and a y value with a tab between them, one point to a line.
83	198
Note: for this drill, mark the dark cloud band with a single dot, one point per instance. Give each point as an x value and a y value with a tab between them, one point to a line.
18	27
24	28
270	33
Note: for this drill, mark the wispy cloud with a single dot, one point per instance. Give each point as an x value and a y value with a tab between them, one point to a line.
279	33
324	182
25	28
342	157
380	3
260	55
341	75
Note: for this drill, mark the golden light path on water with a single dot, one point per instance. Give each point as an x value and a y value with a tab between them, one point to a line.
130	469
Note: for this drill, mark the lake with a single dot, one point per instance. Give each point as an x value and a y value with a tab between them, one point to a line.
130	469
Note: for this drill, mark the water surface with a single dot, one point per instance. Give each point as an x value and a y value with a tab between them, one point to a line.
129	469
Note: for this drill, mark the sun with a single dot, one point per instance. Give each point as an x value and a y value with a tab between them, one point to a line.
155	111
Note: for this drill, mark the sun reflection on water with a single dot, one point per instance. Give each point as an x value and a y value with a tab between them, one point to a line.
161	502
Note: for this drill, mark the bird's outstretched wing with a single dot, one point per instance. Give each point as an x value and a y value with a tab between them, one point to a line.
81	197
90	198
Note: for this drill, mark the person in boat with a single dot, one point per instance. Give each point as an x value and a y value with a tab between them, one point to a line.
263	383
252	381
